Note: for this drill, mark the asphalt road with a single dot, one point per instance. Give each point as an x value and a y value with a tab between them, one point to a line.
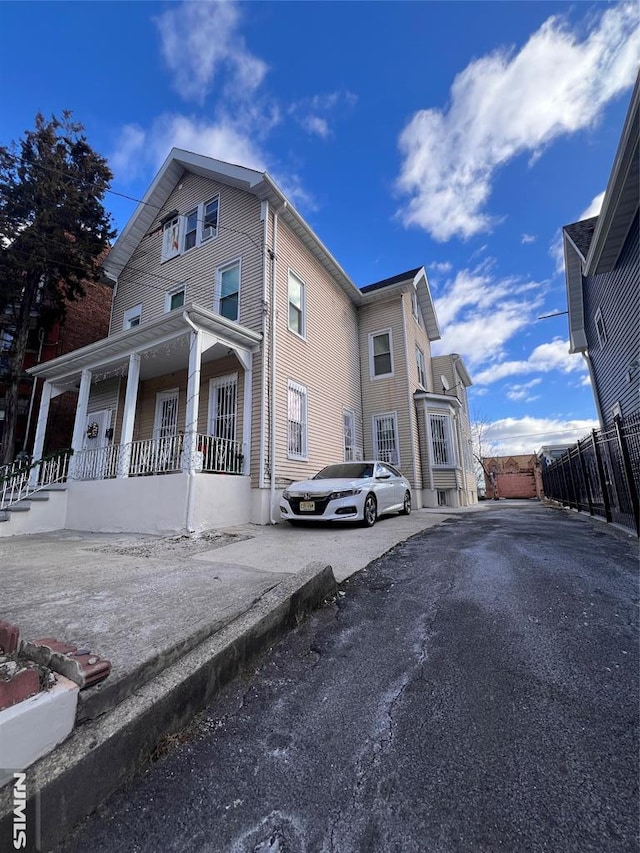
476	689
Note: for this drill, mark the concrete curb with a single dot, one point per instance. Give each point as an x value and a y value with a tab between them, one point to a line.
99	756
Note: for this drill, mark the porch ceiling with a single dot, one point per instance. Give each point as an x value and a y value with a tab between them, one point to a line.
163	346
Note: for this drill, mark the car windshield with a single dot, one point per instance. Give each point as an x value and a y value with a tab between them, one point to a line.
345	471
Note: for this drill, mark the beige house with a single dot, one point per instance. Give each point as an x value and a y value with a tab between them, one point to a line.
241	357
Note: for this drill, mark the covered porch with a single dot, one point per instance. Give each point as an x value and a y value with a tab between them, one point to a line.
173	396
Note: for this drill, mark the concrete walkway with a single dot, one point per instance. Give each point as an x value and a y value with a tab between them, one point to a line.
177	617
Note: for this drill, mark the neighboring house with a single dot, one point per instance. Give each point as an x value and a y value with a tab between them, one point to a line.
87	320
602	269
240	358
550	452
513	476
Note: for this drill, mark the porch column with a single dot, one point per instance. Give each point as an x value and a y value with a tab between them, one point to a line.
41	428
193	402
77	442
129	414
246	359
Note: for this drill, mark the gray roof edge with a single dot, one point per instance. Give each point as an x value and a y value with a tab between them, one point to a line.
621	166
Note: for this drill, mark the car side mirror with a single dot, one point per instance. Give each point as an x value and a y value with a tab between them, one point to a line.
383	477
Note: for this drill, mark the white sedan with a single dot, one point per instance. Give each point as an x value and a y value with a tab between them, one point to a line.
348	491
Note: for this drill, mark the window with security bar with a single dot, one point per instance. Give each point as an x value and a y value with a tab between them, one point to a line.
442	452
385	438
348	420
297	421
223	406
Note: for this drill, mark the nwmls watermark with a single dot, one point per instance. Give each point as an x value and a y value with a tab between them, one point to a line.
20	830
19	811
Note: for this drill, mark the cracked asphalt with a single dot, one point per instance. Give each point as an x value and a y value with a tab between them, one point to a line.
475	689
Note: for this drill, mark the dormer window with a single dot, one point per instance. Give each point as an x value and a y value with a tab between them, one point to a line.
171	238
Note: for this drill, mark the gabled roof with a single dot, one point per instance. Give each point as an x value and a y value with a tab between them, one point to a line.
259	184
581	234
593	246
416	278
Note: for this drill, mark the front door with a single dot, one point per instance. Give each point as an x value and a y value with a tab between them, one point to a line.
166	451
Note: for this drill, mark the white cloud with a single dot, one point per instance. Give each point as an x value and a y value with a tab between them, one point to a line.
478	313
200	40
546	357
506	104
313	113
527	435
522	392
556	250
440	266
528	238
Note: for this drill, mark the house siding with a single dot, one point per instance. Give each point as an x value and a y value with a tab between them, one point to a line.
326	362
385	395
146	278
617	295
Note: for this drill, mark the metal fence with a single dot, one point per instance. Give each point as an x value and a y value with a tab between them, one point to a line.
601	474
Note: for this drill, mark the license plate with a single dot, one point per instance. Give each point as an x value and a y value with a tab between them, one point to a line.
307	506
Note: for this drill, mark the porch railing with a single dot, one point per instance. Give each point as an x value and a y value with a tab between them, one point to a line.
20	480
158	456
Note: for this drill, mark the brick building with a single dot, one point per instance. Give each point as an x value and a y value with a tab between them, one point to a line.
512	477
87	320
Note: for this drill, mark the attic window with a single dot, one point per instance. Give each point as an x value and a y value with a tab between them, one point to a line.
600	329
414	304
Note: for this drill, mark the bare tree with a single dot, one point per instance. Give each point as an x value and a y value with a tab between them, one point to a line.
483	448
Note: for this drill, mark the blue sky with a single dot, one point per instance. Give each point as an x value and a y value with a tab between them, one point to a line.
456	135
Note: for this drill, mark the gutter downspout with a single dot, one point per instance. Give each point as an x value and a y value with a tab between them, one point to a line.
265	302
188	519
272	395
596	396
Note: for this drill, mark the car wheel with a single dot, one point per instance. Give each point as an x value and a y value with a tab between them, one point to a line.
406	506
370	511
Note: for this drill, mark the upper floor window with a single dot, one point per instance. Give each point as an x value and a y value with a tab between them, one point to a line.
380	355
600	328
297	421
441	444
190	229
228	290
414	304
174	298
296	305
132	317
422	371
171	238
210	218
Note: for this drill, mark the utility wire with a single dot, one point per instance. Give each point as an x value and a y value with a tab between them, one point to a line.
199	221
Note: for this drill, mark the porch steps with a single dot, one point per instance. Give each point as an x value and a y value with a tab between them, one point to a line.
24	505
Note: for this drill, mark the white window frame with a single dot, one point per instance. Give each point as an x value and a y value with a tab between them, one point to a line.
130	315
414	304
422	368
601	329
161	396
379	453
303	304
215	384
237	262
349	426
204	237
194	211
448	438
372	366
300	390
181	288
171	238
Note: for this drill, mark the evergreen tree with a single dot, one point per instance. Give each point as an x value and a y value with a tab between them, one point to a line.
54	231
